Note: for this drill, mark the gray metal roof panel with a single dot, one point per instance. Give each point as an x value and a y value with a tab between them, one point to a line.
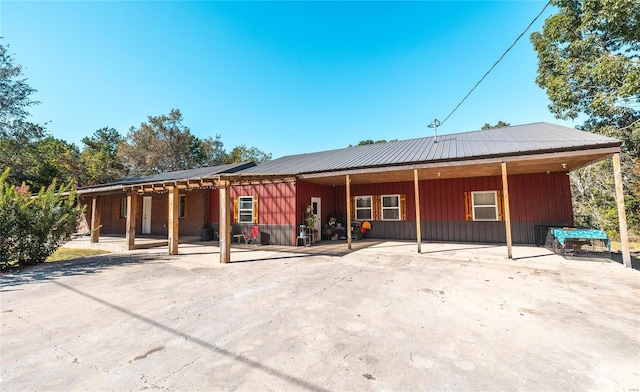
181	175
513	140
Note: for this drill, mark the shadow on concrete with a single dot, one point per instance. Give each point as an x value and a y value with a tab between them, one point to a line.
323	248
292	256
458	249
72	267
297	256
533	256
295	381
635	259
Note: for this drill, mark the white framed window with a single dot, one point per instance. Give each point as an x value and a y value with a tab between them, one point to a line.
182	206
485	205
123	208
245	209
390	207
363	208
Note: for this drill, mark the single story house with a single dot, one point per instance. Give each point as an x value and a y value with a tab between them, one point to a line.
504	185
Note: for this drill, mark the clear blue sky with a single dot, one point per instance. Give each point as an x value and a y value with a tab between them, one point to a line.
286	77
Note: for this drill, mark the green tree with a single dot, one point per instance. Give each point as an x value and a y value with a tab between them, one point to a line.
17	135
499	124
213	151
589	65
15	96
32	228
242	153
370	141
53	159
161	145
99	157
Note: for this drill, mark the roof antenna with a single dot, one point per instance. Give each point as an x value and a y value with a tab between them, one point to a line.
434	125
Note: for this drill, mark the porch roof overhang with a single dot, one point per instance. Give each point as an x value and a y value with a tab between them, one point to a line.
559	161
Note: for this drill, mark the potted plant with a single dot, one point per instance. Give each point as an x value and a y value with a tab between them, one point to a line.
328	231
310	221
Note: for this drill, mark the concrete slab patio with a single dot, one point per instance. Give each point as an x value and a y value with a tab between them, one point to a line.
378	318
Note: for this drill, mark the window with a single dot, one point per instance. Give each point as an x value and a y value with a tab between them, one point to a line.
363	208
390	207
182	206
485	206
123	208
245	209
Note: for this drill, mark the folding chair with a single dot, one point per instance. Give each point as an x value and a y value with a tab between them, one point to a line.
249	238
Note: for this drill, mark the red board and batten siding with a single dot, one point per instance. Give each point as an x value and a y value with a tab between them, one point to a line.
305	191
533	197
276	202
276	210
536	199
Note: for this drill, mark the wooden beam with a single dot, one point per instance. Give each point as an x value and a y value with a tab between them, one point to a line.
622	215
96	217
505	203
417	197
173	220
348	185
132	209
224	232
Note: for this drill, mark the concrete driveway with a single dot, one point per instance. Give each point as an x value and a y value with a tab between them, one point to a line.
380	318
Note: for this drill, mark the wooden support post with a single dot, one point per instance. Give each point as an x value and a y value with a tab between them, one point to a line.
224	232
173	220
507	214
417	197
96	212
132	209
348	185
622	215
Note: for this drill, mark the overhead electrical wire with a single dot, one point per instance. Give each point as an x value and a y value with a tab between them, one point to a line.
496	63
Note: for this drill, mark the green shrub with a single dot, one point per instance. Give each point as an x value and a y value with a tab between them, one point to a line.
33	227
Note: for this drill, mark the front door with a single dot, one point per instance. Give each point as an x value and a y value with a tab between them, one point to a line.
146	215
316	210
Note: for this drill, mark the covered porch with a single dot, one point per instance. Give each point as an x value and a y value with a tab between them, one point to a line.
503	167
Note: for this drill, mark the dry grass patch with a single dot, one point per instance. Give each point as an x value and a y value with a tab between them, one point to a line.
74	253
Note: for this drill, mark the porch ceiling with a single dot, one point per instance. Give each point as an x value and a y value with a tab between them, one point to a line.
523	164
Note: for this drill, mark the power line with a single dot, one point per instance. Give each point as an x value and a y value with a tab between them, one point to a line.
496	63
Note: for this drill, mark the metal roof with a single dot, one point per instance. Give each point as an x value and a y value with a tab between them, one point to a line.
508	141
181	175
